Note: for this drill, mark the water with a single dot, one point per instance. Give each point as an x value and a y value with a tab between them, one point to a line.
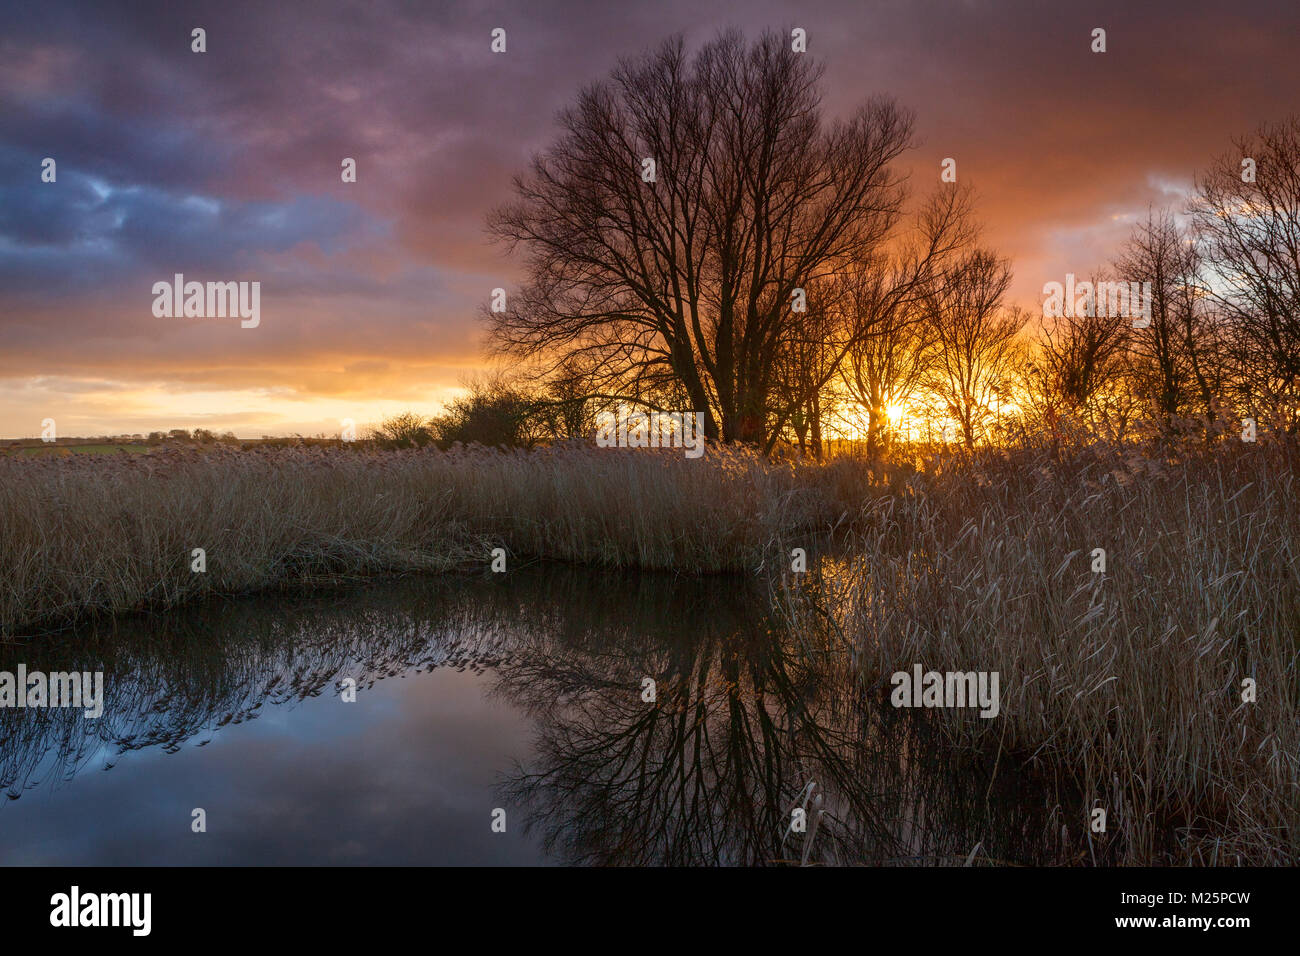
520	692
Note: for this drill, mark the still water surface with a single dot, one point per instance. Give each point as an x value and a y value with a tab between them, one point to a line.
521	692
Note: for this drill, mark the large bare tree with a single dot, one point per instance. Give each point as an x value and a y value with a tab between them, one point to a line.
692	277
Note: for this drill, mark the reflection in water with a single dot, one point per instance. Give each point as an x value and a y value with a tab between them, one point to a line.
749	712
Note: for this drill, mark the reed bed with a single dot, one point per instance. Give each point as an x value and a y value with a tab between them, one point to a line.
110	534
1125	686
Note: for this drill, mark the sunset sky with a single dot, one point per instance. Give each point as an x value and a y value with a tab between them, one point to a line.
225	166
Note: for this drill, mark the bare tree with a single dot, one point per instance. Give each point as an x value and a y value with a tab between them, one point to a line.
892	347
689	274
1078	371
1176	356
407	430
567	401
977	345
1247	214
811	351
1083	355
498	410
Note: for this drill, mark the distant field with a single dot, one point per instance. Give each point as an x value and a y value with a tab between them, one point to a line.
34	447
48	449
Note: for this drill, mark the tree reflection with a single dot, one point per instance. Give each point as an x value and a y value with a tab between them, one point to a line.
748	713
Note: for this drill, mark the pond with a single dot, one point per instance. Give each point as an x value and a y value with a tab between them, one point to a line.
498	720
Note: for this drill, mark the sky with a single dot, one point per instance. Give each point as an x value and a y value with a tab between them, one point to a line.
225	166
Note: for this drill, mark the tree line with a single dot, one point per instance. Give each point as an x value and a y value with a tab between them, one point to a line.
701	237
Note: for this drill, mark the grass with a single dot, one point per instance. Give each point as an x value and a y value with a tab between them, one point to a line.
86	534
1124	686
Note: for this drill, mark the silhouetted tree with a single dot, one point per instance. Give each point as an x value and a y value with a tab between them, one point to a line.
977	344
1249	234
690	277
1176	356
406	430
892	349
496	412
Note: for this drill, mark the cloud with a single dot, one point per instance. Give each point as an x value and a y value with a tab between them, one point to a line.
225	165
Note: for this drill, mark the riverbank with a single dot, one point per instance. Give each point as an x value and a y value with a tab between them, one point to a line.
96	534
